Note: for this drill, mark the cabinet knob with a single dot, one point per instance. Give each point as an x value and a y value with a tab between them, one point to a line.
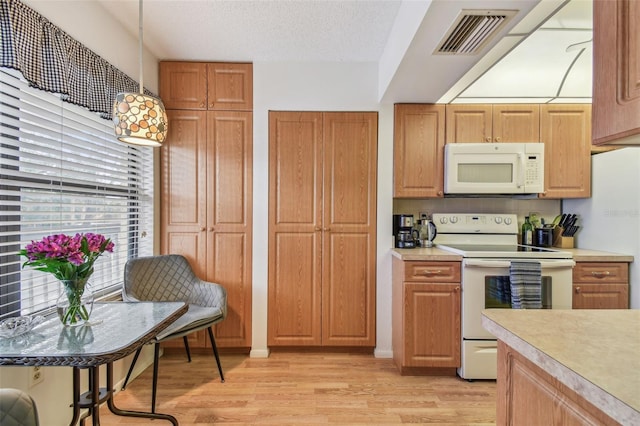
498	139
488	139
577	289
317	229
457	289
211	229
202	104
203	229
327	229
600	274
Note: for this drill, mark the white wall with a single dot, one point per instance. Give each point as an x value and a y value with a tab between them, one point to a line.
318	87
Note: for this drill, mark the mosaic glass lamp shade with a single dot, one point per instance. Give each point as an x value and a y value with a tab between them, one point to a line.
139	119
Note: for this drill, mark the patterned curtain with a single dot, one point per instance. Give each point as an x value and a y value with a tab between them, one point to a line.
51	60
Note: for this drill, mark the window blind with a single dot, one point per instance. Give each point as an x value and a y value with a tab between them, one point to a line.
63	172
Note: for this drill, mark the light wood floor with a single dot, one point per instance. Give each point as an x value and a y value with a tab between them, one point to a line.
303	388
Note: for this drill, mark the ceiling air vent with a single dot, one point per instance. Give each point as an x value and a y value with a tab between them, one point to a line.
471	30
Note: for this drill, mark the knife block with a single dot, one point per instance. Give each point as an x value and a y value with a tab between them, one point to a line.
559	240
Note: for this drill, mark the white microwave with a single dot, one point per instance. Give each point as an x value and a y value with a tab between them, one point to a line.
494	168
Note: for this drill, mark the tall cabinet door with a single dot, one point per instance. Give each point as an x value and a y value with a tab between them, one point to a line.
229	185
295	228
184	188
565	130
418	150
348	225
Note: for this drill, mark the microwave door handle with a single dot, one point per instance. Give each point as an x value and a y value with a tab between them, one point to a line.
521	159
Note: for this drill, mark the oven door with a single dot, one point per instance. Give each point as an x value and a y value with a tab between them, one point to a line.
483	287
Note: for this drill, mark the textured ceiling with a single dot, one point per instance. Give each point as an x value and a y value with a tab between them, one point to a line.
266	30
400	36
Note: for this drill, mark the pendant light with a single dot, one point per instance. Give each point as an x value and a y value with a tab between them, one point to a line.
139	119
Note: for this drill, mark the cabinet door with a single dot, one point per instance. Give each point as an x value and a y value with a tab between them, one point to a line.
600	296
418	151
295	228
565	131
183	212
183	85
432	325
469	123
348	228
616	71
516	123
184	192
230	86
229	222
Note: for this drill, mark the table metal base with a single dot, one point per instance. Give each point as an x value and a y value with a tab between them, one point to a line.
96	396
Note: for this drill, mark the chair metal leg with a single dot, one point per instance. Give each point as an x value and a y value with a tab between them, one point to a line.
156	355
133	364
186	346
215	353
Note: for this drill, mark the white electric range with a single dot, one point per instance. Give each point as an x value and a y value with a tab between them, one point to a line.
488	243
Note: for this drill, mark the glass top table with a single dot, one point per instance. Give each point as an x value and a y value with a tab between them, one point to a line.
115	330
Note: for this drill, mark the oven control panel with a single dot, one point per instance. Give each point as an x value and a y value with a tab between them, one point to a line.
485	223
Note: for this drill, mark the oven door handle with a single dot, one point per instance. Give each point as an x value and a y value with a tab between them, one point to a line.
545	264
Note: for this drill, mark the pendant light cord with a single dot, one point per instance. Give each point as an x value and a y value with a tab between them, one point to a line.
140	45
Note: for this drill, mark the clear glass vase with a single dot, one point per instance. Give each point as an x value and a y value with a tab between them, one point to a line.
75	303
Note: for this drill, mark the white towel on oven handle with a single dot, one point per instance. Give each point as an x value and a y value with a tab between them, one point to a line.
526	284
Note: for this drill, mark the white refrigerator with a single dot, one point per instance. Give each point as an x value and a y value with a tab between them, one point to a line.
610	219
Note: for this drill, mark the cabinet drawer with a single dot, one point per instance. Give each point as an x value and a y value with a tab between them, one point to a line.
432	271
598	272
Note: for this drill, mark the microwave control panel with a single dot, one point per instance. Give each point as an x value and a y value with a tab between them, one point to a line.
533	169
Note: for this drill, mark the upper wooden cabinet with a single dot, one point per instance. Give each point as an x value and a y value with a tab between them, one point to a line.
616	72
492	123
418	153
213	85
565	130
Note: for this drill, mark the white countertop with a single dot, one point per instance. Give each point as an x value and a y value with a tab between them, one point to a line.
596	353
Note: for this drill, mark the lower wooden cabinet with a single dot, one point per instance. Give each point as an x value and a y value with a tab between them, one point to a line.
601	285
528	395
426	316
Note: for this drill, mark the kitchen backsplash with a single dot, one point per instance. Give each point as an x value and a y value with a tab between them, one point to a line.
547	209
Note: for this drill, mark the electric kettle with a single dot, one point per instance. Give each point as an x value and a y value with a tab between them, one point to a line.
427	231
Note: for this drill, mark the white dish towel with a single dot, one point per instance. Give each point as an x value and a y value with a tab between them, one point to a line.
526	285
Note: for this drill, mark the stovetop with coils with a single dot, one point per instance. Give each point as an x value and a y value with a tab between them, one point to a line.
487	235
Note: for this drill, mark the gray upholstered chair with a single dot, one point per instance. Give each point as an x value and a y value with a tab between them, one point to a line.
169	278
17	408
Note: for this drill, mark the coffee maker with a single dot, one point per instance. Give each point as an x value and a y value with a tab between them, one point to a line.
403	232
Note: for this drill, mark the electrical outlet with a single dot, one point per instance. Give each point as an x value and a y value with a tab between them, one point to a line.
37	376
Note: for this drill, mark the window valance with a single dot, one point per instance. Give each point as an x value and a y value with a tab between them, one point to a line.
51	60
